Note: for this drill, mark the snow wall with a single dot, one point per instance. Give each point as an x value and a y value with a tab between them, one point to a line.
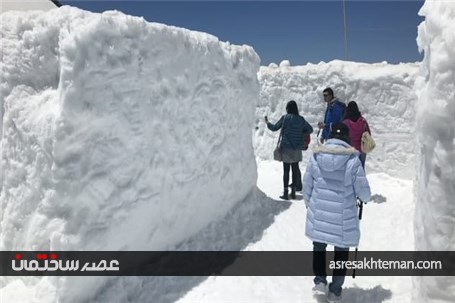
384	93
26	5
118	134
435	187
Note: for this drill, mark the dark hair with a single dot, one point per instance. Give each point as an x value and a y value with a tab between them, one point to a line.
340	131
328	90
352	112
291	108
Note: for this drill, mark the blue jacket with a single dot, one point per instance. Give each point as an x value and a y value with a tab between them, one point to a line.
333	114
333	179
294	128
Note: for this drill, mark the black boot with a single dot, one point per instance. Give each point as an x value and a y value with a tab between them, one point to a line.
298	186
293	192
285	195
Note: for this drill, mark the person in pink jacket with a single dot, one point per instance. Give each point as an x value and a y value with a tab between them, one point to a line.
357	125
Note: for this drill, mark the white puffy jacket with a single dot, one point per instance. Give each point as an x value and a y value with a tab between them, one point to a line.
333	180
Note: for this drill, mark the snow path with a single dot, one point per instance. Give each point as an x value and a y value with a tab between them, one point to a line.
264	222
385	226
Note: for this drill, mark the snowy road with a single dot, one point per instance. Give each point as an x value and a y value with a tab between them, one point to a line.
264	222
385	226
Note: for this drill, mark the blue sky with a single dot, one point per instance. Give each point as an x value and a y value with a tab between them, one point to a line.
298	31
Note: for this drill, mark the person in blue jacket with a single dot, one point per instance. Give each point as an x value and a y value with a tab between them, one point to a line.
294	127
333	114
333	180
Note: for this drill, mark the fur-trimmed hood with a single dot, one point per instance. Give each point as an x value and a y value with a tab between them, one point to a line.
333	154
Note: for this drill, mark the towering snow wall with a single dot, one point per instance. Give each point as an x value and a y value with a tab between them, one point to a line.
26	5
118	134
435	188
384	93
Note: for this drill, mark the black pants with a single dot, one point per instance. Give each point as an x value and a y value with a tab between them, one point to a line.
319	266
296	175
362	158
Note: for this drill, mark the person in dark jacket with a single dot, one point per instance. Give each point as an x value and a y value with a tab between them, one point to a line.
333	114
294	127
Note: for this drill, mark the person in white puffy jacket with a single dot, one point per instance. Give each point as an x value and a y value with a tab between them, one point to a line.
333	180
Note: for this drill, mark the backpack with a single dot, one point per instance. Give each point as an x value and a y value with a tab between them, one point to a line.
306	141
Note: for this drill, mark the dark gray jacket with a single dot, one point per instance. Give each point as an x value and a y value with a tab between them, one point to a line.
294	128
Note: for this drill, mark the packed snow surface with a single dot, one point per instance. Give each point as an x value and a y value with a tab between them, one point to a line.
118	134
435	187
111	124
26	5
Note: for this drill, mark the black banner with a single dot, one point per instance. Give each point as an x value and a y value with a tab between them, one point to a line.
221	263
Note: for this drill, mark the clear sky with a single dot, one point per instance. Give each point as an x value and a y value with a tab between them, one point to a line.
298	31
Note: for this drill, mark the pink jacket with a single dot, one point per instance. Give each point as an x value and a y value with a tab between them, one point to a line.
356	130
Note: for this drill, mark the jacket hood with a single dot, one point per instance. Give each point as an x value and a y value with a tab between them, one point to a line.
334	100
333	155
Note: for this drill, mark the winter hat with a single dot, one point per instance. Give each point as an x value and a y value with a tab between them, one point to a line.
339	131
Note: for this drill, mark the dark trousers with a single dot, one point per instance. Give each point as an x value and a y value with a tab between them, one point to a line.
296	175
319	264
362	158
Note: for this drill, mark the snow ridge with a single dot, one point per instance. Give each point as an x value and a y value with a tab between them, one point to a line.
119	134
435	186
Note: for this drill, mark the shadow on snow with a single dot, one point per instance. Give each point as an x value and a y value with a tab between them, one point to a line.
242	226
359	295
